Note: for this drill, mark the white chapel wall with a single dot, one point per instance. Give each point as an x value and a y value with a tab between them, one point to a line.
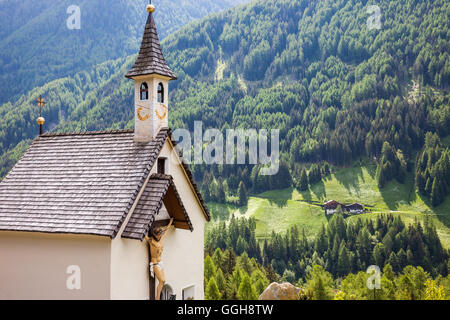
184	250
34	266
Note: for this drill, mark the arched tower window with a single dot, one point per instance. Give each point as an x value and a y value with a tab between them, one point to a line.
160	93
144	91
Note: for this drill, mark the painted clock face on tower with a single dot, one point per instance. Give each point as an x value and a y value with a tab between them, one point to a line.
163	113
143	113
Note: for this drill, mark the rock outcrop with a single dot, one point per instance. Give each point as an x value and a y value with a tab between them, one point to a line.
276	291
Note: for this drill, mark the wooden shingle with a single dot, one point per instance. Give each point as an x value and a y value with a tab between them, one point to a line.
160	189
150	59
79	183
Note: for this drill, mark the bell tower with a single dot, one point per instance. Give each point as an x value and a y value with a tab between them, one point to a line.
151	76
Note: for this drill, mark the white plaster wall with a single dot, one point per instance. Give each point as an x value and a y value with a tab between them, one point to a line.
147	129
184	250
129	269
143	129
34	266
158	123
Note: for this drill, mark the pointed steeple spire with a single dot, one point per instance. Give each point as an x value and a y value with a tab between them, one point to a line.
150	59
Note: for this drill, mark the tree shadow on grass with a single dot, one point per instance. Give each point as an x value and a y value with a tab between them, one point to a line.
395	193
350	179
390	197
306	195
242	210
281	199
372	170
442	212
220	212
319	191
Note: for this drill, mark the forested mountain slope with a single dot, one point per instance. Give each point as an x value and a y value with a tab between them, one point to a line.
313	69
36	45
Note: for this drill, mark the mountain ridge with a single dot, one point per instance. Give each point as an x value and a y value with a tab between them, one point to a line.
333	87
37	47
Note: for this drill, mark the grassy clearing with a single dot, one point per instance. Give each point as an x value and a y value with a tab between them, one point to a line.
279	209
273	215
220	212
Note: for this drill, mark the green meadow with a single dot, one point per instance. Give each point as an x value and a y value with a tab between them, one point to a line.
279	209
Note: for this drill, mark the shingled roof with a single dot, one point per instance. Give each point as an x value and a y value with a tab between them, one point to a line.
77	183
150	59
160	189
86	183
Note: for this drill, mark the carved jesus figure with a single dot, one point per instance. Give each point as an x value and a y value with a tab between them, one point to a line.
156	243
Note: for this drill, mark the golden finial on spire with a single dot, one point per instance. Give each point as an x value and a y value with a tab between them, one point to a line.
40	121
150	7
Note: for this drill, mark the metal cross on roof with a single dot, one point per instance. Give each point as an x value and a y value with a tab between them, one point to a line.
41	104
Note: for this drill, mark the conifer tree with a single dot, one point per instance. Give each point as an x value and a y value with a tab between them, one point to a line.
379	254
210	268
272	276
434	291
242	191
221	283
212	291
221	198
344	263
260	281
218	258
303	181
320	284
246	290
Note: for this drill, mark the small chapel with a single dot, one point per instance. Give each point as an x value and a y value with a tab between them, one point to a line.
109	214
